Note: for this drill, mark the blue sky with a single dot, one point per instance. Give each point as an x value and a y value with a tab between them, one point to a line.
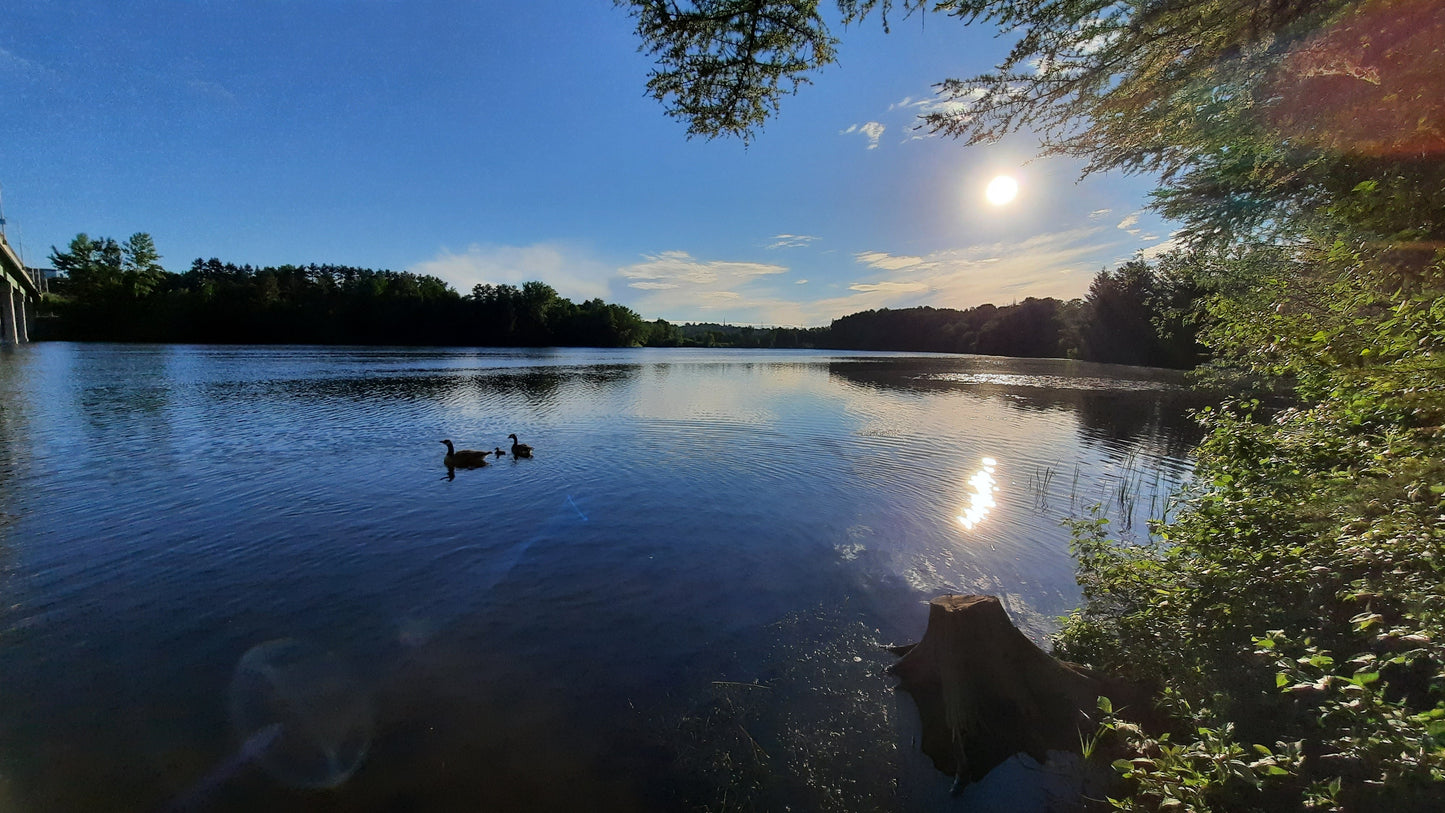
503	142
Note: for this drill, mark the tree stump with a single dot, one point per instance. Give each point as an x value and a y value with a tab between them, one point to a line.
986	692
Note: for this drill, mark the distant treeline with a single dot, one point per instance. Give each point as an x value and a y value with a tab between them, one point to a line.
119	292
1136	314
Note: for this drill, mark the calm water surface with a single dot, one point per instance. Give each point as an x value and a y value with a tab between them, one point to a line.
677	604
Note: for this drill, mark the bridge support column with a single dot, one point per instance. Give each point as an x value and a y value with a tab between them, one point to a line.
22	333
8	333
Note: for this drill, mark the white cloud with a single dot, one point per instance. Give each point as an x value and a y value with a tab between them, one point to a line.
575	274
1098	213
1057	264
791	240
679	287
681	267
1096	44
889	287
889	262
1129	224
1154	251
937	102
933	102
872	130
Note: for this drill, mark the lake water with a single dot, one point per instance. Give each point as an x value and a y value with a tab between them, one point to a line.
678	603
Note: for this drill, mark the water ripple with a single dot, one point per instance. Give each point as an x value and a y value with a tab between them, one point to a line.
165	509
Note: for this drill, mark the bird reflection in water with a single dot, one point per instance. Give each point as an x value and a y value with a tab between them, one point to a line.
981	501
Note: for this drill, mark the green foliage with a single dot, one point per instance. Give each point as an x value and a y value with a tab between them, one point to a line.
92	267
723	65
141	267
1207	770
1032	328
1298	595
1141	314
100	271
119	292
1133	316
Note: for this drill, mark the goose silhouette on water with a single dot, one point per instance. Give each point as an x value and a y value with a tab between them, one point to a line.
500	454
520	449
464	458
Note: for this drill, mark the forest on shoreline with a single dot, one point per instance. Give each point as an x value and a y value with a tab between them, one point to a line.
110	291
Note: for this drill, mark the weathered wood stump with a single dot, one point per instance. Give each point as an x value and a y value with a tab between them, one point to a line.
986	692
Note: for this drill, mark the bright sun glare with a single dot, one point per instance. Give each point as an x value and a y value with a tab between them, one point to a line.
1001	190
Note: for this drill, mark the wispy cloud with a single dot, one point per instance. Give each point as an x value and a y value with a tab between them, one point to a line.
929	104
679	286
889	287
791	240
1130	224
676	285
872	130
1058	264
573	272
891	262
16	66
936	102
211	90
680	267
1165	246
1098	213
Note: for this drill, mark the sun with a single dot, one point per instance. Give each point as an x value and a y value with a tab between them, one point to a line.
1001	190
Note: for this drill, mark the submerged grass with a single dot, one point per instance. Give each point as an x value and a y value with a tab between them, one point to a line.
1132	494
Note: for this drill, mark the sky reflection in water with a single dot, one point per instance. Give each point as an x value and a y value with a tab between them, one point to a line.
535	632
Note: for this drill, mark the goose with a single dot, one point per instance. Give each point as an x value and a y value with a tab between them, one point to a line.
464	458
500	454
520	449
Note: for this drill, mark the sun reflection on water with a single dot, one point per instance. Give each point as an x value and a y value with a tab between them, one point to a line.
981	500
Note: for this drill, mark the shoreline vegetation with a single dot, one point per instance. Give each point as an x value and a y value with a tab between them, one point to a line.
1291	614
113	291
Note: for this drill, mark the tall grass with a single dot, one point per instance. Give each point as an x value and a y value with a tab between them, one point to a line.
1129	494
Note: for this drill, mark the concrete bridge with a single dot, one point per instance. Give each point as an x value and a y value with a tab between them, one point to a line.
17	288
